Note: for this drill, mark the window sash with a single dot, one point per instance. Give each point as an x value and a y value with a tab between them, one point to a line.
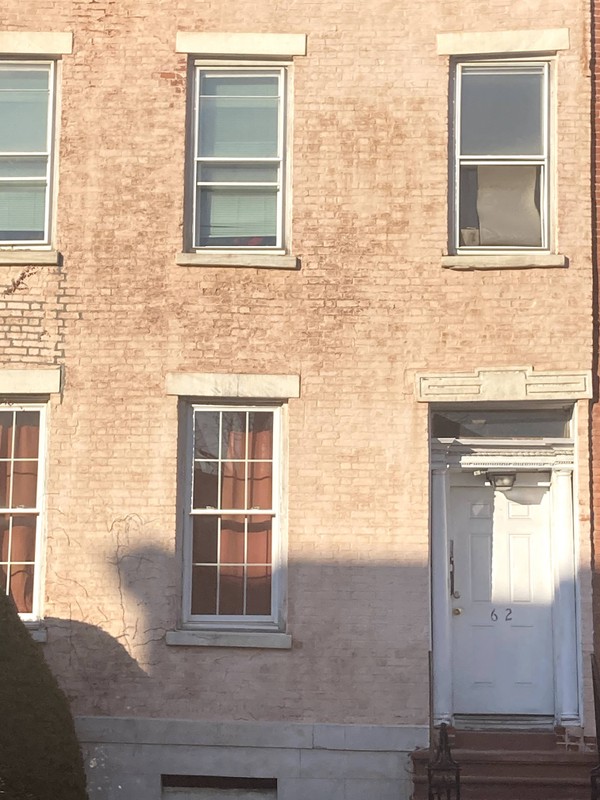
539	160
25	212
243	224
269	517
12	512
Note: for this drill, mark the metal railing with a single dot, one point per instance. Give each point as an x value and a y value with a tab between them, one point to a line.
443	772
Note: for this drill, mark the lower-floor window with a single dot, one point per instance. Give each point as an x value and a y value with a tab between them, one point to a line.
20	505
192	787
232	541
219	794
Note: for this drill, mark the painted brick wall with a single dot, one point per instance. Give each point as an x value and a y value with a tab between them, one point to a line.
370	306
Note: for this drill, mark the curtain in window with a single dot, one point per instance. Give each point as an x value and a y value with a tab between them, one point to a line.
252	532
18	490
506	205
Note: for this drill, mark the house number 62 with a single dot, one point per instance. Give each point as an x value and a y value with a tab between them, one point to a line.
507	615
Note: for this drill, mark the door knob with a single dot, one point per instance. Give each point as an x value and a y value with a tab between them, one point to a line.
457	612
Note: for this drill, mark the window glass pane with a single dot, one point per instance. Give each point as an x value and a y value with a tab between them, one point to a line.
259	540
228	85
237	173
205	539
24	78
258	590
231	590
23	538
233	538
23	167
22	211
6	433
237	217
4	539
5	476
260	484
513	424
206	431
233	485
27	434
206	484
21	587
204	590
501	111
24	97
239	127
234	434
262	421
500	205
24	490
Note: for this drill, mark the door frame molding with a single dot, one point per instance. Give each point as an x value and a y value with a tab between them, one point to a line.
558	458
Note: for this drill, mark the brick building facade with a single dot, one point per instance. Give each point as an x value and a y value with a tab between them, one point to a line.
249	249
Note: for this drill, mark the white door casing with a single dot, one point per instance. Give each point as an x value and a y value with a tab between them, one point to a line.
544	537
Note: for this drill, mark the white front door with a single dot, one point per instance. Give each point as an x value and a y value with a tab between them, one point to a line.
502	586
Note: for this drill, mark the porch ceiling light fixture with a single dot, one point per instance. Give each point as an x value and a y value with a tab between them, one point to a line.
501	480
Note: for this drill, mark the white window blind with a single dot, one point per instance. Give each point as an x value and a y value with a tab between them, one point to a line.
238	160
25	150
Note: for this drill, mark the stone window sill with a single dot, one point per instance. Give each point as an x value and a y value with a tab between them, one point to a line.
501	261
50	258
259	639
38	633
257	260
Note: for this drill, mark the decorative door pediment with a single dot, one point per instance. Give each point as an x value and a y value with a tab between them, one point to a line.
505	384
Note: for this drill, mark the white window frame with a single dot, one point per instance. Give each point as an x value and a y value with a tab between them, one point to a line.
48	153
39	510
275	620
245	67
544	161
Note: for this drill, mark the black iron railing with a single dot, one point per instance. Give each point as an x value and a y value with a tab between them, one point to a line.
443	773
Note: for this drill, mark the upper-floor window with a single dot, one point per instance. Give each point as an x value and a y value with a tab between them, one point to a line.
501	165
20	505
238	158
26	136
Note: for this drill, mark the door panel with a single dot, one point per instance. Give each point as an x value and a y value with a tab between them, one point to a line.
502	620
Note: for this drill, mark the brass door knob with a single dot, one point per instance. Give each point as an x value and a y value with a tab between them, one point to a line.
457	612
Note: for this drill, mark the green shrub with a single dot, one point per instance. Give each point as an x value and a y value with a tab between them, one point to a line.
39	752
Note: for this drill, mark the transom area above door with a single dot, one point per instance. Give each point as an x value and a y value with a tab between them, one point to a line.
502	436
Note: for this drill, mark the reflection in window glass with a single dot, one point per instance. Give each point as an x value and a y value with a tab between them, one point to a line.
232	512
500	205
501	111
497	424
19	504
